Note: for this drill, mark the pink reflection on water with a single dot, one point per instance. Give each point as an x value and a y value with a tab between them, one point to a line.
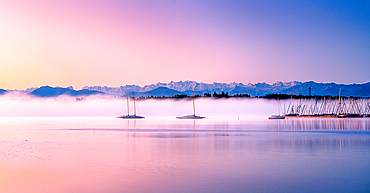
168	155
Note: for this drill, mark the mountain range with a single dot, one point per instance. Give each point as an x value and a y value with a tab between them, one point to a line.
47	91
259	89
2	91
185	87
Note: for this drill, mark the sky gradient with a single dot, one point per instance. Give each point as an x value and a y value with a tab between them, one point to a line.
112	43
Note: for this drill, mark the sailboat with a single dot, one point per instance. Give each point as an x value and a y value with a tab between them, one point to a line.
193	116
128	116
277	116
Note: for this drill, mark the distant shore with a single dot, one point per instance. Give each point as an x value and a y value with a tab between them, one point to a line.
268	96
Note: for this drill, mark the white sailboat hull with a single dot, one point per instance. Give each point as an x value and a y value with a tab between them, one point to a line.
276	117
130	117
190	117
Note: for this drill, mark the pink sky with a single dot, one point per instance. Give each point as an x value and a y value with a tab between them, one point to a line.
87	43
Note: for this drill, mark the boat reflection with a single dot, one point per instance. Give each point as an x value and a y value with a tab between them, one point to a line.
323	124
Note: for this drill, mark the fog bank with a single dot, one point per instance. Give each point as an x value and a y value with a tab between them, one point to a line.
26	106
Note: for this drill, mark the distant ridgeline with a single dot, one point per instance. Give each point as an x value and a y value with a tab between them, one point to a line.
47	91
182	89
2	91
218	90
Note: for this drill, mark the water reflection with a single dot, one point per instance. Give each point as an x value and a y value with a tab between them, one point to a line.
247	125
109	155
324	124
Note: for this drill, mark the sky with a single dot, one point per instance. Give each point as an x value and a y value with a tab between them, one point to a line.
112	43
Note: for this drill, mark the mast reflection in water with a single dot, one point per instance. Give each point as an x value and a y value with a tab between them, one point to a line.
168	155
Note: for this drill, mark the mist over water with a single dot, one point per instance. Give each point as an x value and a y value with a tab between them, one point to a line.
105	154
66	144
64	106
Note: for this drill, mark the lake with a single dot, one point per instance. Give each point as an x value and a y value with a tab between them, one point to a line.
162	154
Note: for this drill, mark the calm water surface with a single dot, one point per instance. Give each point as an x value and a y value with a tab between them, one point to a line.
162	154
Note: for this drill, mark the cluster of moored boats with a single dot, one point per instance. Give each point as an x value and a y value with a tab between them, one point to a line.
299	108
134	116
326	108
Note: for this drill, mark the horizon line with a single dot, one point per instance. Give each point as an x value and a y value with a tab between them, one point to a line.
186	81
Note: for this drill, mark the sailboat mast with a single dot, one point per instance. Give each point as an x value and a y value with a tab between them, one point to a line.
134	103
192	93
278	106
340	104
284	109
128	108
